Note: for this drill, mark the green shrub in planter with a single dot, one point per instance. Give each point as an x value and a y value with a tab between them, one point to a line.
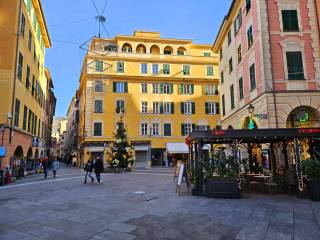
311	168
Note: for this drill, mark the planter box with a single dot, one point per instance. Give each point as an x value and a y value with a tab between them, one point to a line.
222	188
314	190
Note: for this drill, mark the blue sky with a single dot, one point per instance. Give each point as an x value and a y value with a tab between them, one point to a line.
72	22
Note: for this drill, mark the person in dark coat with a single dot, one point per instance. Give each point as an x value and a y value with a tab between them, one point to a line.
88	169
98	168
45	166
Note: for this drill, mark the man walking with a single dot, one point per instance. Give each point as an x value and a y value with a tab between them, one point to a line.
98	168
88	168
55	167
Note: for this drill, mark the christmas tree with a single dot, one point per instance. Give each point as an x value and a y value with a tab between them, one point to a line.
122	156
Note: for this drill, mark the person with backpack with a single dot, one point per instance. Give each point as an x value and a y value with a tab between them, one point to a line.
88	167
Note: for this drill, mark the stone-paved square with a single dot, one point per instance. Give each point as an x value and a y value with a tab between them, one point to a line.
143	205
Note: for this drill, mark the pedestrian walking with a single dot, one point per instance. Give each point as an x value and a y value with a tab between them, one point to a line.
88	167
55	167
98	168
45	167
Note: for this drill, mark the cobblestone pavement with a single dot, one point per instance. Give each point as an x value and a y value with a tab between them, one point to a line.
143	205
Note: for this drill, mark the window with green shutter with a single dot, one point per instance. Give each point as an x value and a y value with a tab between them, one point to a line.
182	130
232	96
99	66
25	115
20	66
186	69
223	106
167	129
166	69
241	88
290	21
97	129
98	106
252	77
210	71
161	88
120	67
250	37
16	113
182	107
295	66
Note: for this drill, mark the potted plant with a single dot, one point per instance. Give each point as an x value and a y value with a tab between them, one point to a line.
221	177
194	179
311	168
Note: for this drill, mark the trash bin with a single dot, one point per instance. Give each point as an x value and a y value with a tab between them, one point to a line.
1	177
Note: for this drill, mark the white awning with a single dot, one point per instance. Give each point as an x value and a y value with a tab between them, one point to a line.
141	148
177	148
95	149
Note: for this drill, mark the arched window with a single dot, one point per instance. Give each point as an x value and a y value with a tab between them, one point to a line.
141	49
126	48
181	51
154	49
168	50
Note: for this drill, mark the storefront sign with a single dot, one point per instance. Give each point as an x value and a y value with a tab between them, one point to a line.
261	115
303	116
2	151
35	142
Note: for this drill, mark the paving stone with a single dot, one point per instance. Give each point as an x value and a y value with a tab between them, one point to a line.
71	210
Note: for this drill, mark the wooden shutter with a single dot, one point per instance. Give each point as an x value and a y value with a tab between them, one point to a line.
114	87
181	89
192	89
217	108
172	108
182	107
207	108
161	107
193	127
161	88
193	105
171	88
125	87
182	130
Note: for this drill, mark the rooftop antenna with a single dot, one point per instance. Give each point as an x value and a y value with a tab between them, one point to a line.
101	19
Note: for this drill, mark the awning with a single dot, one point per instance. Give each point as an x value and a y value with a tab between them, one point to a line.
177	148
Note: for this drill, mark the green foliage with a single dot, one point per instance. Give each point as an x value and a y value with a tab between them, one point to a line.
220	166
311	168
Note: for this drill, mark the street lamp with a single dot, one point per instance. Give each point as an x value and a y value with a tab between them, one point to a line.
10	125
251	109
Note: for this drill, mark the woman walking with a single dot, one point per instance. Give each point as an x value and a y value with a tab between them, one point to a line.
55	167
88	167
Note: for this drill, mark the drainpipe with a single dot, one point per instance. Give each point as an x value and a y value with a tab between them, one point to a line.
15	71
272	72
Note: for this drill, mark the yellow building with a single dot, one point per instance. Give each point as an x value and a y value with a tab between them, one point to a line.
24	82
166	88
